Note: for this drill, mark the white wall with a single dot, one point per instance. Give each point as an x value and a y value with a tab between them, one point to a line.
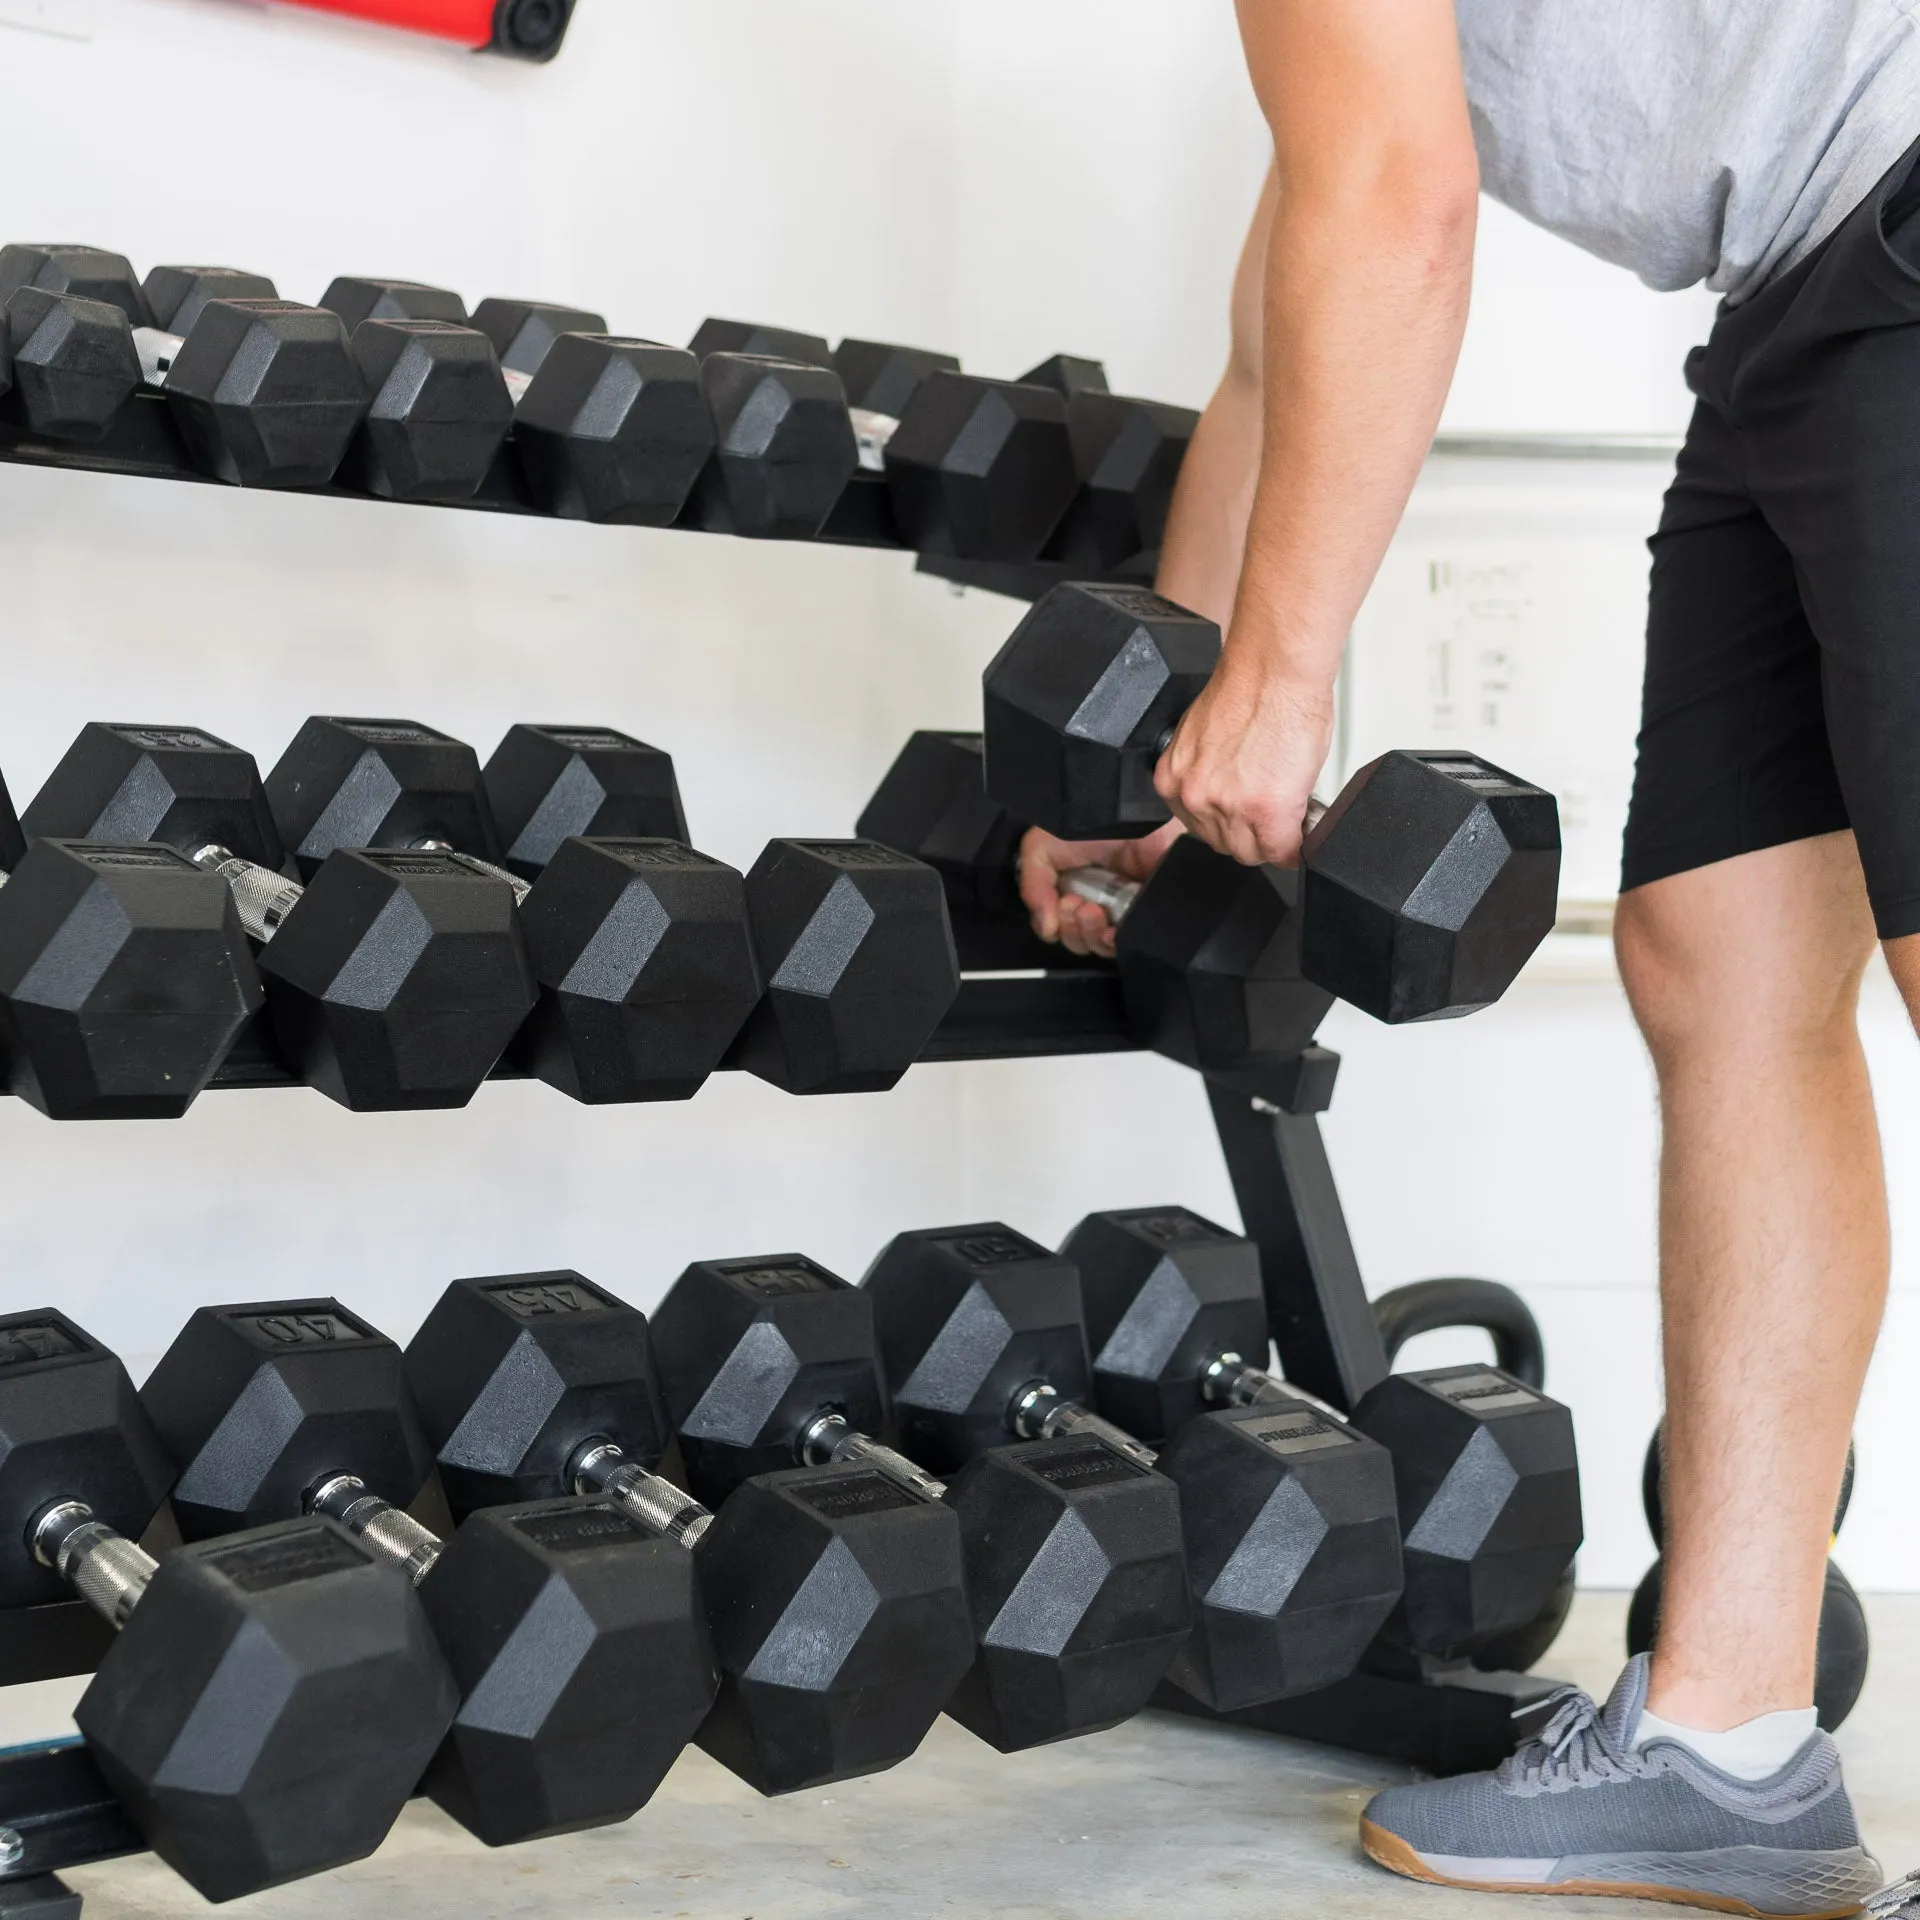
1004	180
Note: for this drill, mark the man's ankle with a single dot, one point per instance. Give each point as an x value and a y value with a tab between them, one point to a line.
1754	1749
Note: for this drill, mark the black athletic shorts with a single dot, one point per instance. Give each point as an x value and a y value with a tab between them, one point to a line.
1782	694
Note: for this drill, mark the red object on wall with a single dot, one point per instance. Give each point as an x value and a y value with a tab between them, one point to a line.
524	29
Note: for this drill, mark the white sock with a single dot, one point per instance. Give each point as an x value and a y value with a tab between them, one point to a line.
1754	1750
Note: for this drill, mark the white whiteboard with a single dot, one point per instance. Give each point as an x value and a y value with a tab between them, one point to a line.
1509	618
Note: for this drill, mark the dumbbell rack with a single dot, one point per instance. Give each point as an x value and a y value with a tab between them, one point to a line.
57	1812
1442	1717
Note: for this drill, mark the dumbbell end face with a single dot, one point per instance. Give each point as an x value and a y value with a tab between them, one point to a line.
1489	1501
565	1730
168	985
1078	1581
74	363
784	448
295	1634
1293	1552
389	1007
549	784
1431	880
439	413
1079	702
840	1618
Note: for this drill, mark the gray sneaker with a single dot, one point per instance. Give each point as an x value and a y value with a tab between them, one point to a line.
1578	1811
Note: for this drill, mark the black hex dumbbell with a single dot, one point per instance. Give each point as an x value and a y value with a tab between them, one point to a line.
394	980
271	1698
640	945
1072	1546
604	428
1292	1550
577	1636
1487	1478
835	1593
265	393
125	977
1427	883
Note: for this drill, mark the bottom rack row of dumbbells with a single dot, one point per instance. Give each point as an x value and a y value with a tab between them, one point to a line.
1021	1486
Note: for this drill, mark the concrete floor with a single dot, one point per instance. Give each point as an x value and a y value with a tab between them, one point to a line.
1158	1818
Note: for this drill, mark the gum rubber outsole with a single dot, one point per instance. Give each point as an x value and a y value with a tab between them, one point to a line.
1390	1851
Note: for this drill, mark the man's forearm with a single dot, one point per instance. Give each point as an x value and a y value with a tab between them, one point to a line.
1206	534
1367	291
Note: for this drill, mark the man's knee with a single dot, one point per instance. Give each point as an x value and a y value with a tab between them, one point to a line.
1764	950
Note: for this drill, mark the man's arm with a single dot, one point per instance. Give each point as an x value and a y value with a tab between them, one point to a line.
1368	268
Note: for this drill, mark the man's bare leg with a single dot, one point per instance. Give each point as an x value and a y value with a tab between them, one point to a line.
1744	977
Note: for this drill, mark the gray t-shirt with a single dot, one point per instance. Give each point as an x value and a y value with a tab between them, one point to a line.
1715	140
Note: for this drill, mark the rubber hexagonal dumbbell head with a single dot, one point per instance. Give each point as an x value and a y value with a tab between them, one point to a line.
1430	881
399	979
260	1404
178	785
266	393
175	295
749	1351
74	363
1067	374
513	1375
1489	1492
1081	701
1076	1571
1166	1294
269	1707
980	469
615	431
1293	1551
549	784
125	978
71	1428
859	963
784	448
1128	454
439	410
644	954
355	299
523	332
967	1317
883	378
378	783
764	343
1209	958
840	1617
88	273
933	805
580	1645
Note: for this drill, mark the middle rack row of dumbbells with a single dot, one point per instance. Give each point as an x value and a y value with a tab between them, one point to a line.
1101	1486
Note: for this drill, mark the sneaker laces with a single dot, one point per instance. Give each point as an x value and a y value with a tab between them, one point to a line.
1576	1748
1898	1900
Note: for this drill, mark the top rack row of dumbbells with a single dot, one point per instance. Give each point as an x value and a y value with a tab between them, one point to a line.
389	389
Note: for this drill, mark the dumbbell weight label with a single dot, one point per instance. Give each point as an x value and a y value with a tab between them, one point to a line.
642	854
854	853
1302	1432
1483	1392
111	859
1472	772
775	1280
584	1526
394	733
29	1344
256	1566
990	1249
163	739
1137	603
322	1327
1181	1230
590	739
540	1299
1068	1464
430	866
846	1496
